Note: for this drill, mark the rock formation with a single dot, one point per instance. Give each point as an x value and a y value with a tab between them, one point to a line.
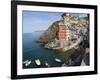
77	30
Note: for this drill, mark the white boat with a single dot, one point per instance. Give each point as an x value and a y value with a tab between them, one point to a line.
37	61
58	60
47	64
64	64
27	62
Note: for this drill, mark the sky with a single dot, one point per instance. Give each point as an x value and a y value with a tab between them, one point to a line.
37	21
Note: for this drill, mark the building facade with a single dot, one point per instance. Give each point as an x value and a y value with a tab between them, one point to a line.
63	31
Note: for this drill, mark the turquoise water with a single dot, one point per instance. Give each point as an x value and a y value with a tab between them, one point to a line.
33	50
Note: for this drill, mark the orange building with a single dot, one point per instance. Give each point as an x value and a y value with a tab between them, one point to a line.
62	33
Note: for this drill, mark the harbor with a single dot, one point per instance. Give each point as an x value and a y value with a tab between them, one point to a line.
36	56
63	43
39	57
38	63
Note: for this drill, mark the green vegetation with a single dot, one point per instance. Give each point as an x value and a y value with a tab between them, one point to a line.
65	55
50	34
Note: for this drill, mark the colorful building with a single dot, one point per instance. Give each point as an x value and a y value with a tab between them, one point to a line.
63	31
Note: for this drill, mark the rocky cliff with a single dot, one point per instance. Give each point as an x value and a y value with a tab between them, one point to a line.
50	34
79	30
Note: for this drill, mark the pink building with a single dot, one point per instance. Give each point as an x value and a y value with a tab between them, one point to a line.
62	33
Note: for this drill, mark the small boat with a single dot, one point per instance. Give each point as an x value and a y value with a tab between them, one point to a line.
57	60
64	64
37	61
27	62
47	64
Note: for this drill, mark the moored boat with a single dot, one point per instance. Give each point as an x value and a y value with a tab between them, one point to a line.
37	61
27	62
57	60
47	64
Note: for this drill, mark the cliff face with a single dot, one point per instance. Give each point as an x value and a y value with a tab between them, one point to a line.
50	34
78	30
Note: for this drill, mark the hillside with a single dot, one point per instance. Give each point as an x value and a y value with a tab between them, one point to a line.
49	34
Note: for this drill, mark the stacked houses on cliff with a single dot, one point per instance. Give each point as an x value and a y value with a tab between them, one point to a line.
70	32
63	31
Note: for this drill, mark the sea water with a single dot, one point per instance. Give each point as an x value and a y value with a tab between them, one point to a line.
33	50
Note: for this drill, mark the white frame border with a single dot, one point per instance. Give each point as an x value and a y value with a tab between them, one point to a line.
33	71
